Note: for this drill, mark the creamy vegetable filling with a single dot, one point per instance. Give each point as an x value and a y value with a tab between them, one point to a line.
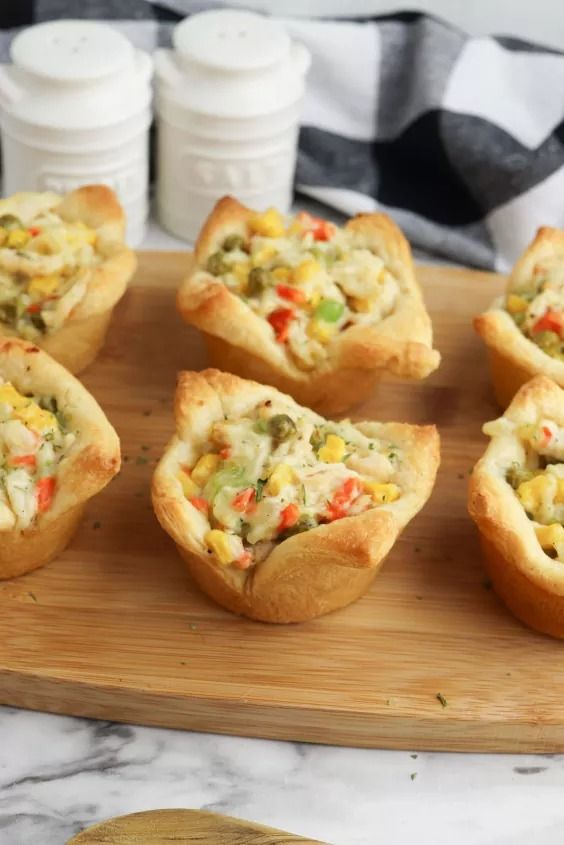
33	440
539	483
43	271
277	472
538	307
308	278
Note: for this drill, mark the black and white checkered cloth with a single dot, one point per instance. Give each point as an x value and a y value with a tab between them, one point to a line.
460	139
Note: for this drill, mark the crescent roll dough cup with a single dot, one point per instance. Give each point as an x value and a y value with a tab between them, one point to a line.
515	497
305	538
58	450
533	290
76	267
328	362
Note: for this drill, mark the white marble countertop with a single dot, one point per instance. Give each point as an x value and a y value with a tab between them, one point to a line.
59	775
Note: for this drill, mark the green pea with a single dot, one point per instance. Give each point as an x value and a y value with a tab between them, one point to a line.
10	221
304	523
48	403
519	318
216	264
232	242
8	313
261	427
281	427
329	310
516	475
38	321
258	281
549	342
328	255
317	439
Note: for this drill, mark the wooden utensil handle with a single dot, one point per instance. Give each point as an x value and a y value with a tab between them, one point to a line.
184	827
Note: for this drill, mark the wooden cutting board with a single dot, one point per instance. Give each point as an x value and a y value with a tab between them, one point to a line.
430	659
184	827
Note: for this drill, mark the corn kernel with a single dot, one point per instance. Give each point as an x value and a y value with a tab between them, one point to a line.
530	493
204	469
261	256
516	304
549	535
314	299
3	236
305	271
189	487
333	450
281	274
241	272
321	330
218	542
44	285
280	477
362	306
80	234
295	228
269	224
10	396
17	238
35	417
382	494
527	432
559	495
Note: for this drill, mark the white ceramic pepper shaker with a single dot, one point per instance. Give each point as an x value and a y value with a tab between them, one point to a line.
228	103
75	109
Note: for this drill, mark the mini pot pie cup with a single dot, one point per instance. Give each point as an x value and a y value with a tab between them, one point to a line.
242	342
528	581
89	464
308	574
515	359
77	342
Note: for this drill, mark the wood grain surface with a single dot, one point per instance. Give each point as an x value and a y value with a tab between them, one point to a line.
115	629
184	827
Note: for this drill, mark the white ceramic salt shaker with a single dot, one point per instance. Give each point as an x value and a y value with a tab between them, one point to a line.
75	109
228	102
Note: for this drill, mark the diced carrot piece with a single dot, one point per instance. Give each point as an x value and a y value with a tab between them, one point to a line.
200	503
280	320
288	517
244	561
245	500
551	321
23	461
292	294
45	492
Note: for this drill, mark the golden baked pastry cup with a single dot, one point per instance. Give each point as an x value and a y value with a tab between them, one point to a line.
514	359
308	574
91	462
77	342
242	342
527	580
